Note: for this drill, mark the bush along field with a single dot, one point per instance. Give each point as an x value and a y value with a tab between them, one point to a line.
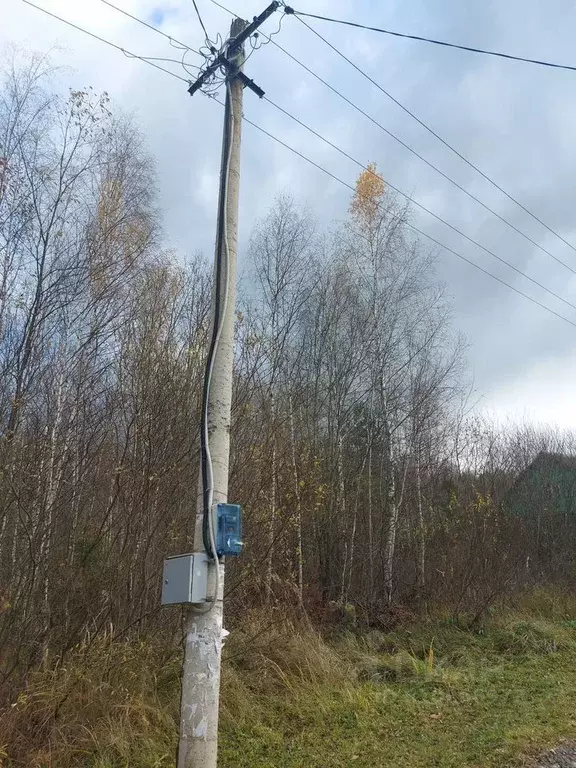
430	692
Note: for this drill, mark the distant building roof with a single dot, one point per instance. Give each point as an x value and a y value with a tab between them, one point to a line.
548	482
553	459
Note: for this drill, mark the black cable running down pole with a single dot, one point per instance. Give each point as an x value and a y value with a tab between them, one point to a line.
220	250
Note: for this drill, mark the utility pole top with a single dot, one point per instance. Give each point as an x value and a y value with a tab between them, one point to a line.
238	26
226	59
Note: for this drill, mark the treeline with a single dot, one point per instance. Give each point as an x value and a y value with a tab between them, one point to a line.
365	484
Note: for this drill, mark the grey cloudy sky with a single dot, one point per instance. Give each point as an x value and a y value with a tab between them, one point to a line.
516	121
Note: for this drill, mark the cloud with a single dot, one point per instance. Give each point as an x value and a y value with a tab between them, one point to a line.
514	121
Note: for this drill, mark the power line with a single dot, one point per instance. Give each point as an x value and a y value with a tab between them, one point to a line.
107	42
325	171
420	205
427	162
423	159
411	226
150	26
207	38
163	58
484	51
433	133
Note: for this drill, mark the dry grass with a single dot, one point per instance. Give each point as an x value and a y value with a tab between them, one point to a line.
289	698
109	704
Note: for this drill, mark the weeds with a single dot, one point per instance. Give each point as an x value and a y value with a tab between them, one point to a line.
430	693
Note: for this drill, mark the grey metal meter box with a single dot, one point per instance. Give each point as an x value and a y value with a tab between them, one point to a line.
185	579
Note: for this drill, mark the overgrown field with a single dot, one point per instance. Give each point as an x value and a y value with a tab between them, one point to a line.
431	693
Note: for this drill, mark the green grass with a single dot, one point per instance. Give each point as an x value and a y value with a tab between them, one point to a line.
479	700
485	715
429	694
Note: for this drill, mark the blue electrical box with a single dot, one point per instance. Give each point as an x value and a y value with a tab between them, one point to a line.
229	530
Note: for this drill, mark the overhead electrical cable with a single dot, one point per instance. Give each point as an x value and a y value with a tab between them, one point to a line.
408	224
425	160
432	132
125	51
150	26
206	36
484	51
429	163
416	153
329	174
417	203
161	58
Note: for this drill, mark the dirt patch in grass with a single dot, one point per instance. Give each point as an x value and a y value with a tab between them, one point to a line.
563	756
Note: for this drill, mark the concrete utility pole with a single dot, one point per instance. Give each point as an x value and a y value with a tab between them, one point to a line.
198	744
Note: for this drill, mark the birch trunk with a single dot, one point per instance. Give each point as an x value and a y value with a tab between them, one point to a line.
342	514
421	578
272	512
298	511
54	478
